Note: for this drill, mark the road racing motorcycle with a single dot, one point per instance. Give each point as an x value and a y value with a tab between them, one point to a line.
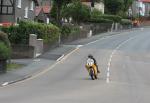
92	69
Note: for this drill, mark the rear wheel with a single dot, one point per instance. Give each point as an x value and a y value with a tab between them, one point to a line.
95	76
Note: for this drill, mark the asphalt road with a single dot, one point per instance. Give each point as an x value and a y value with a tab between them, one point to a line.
123	59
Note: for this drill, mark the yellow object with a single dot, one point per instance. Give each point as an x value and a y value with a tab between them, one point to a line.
93	66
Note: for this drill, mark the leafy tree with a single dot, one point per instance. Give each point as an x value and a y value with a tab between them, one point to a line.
57	7
116	6
95	13
4	46
77	11
113	6
127	4
4	38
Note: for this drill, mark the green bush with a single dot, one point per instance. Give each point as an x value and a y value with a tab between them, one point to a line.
77	11
68	30
4	38
100	20
20	34
65	31
104	18
4	51
114	18
123	14
95	13
126	22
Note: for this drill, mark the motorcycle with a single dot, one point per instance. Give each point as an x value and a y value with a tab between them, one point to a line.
92	70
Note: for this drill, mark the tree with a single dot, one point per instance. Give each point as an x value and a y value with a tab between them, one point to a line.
4	46
57	7
77	11
113	6
127	4
116	6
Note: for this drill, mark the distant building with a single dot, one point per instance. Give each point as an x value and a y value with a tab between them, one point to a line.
42	12
99	6
12	11
141	8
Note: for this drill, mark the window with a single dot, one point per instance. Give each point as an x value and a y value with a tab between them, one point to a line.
19	4
31	5
47	20
26	12
18	19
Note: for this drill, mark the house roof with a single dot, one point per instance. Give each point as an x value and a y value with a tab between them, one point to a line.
37	10
144	0
46	10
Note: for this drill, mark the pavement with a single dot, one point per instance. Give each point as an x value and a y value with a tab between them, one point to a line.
39	64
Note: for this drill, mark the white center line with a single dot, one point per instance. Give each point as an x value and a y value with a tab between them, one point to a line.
111	56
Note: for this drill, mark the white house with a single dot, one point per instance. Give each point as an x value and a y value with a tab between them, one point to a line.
141	8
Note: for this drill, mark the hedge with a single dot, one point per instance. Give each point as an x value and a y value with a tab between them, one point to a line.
95	13
126	22
114	18
4	38
20	34
68	30
105	18
4	51
100	20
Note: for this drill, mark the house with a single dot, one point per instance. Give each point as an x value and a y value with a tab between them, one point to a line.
146	3
12	11
97	5
141	8
42	12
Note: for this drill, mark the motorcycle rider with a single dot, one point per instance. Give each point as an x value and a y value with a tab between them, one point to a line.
94	60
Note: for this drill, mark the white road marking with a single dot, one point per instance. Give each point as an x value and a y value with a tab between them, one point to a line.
52	67
4	84
92	42
36	60
111	56
142	29
78	46
60	58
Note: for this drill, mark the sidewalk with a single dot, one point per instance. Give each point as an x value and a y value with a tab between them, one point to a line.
44	61
35	65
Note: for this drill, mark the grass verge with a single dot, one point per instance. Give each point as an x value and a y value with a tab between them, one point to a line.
12	66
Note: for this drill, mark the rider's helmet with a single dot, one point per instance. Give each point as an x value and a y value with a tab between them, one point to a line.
90	56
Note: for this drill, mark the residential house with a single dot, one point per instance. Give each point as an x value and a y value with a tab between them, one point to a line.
97	5
12	11
42	12
147	7
141	8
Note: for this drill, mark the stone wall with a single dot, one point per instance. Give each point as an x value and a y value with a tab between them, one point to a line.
97	27
48	46
75	36
22	51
